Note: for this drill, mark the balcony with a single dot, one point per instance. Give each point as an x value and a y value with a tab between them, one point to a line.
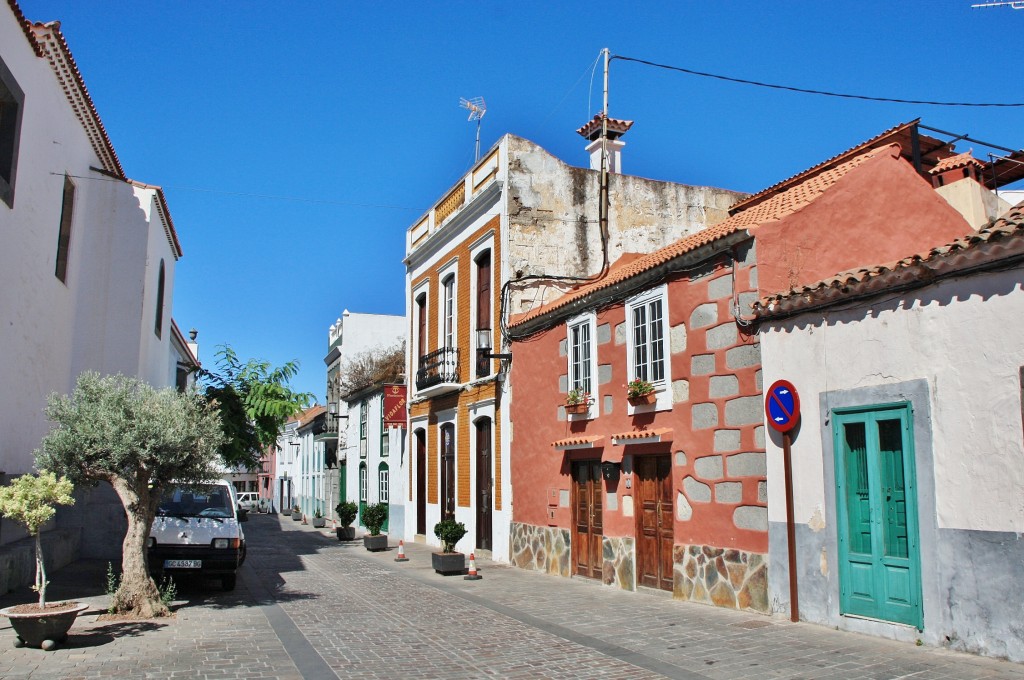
438	372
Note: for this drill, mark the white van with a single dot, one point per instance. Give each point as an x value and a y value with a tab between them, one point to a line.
197	530
248	500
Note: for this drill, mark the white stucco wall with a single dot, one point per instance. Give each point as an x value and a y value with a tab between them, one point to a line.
52	331
963	338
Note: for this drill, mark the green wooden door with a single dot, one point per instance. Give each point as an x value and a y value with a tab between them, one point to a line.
879	561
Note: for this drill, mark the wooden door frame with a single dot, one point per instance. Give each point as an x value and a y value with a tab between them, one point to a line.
664	580
482	511
595	463
447	486
420	437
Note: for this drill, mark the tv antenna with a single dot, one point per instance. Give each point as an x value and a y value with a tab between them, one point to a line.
1014	4
477	108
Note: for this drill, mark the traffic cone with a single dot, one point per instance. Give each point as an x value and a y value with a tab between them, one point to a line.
401	552
472	575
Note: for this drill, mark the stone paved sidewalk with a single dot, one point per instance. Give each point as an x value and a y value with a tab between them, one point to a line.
309	606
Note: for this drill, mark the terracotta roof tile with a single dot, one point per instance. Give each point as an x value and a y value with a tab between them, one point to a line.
661	434
957	161
26	27
1002	238
578	442
593	127
771	209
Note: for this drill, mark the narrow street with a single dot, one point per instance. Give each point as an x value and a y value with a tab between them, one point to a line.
307	606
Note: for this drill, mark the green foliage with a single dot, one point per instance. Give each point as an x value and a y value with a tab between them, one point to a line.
113	583
374	517
30	499
449	532
168	590
254	402
119	428
347	511
576	396
318	513
638	388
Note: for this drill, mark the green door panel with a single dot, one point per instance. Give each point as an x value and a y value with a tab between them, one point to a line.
879	569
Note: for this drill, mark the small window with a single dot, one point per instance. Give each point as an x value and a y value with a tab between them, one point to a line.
67	210
385	440
384	491
12	101
362	429
647	339
580	349
448	340
159	324
362	482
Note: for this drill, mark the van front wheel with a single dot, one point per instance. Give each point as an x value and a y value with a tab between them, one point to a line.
228	582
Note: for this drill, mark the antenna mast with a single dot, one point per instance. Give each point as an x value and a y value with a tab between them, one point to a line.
477	108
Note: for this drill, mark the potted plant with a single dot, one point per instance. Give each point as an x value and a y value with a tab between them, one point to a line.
347	511
30	500
577	401
448	561
374	517
296	513
640	392
318	519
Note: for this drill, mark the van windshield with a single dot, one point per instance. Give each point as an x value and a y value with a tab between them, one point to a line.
196	500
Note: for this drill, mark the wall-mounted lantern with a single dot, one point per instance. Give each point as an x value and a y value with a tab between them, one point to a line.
610	471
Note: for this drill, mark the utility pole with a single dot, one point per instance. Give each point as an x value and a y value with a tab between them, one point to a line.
602	215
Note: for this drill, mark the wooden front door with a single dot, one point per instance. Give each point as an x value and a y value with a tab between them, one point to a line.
879	554
654	531
588	533
421	482
447	468
484	484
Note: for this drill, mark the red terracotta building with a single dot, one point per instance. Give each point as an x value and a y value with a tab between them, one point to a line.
673	494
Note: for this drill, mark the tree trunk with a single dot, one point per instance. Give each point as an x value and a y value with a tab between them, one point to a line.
40	571
137	595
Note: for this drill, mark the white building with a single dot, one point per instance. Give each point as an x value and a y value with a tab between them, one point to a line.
352	335
908	487
87	256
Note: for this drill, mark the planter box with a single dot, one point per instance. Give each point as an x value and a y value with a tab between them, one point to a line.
319	522
643	400
375	543
297	516
346	533
448	563
577	408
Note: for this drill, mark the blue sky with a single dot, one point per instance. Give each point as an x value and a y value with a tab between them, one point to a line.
297	141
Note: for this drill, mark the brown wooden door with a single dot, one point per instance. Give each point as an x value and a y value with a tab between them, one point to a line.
421	482
447	468
654	521
484	484
588	532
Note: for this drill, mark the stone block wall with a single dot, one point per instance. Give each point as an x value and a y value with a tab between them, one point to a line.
619	562
733	579
545	549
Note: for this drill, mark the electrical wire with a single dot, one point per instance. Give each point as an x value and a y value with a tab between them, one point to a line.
801	90
570	91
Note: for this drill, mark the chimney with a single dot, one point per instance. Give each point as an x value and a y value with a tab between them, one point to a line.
958	179
592	131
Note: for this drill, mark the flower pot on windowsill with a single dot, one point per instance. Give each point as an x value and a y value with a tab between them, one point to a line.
643	399
577	408
448	563
375	543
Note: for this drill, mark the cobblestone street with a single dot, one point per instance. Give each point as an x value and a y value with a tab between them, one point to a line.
308	606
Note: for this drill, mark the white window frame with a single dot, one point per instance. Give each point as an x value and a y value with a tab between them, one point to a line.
662	385
383	483
484	244
450	269
586	322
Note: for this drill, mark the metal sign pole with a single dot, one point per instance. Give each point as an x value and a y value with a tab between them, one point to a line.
787	456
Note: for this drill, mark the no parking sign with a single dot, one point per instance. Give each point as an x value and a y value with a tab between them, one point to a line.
782	406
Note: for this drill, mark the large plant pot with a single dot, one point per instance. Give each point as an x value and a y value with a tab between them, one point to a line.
319	522
297	516
346	533
375	543
44	629
448	563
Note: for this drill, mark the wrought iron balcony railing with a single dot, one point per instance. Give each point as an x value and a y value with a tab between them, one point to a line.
438	367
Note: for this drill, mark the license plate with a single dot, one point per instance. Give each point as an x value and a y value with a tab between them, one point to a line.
183	564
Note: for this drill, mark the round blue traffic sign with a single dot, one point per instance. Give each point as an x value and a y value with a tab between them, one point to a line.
782	406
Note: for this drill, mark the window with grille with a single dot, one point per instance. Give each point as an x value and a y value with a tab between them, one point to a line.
646	317
382	475
580	350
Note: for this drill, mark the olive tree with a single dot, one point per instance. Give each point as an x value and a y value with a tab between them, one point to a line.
123	431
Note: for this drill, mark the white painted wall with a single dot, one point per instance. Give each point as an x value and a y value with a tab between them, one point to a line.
963	337
52	331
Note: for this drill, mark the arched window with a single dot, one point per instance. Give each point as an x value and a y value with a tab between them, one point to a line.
159	325
362	488
447	467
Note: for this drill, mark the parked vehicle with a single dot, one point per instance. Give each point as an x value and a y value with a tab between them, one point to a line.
248	500
197	530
